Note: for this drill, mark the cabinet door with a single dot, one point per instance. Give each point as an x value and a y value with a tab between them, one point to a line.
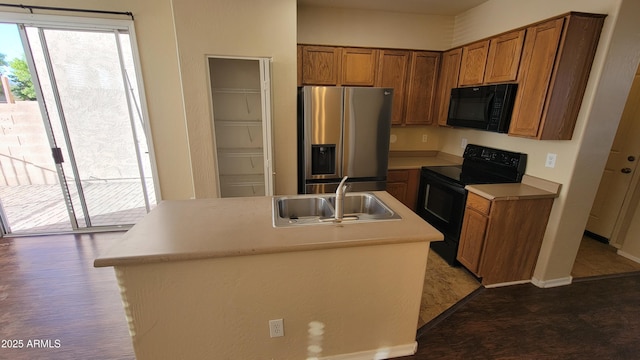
513	239
320	65
538	57
449	71
571	73
474	60
359	66
398	190
504	57
413	181
403	185
474	227
421	88
393	66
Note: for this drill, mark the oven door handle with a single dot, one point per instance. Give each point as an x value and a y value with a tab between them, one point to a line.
435	178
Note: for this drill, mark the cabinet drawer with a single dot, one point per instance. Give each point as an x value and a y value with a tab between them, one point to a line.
478	203
398	175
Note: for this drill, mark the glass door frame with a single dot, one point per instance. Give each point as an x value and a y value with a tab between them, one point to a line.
114	26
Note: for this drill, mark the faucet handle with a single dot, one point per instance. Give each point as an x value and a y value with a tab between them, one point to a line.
342	187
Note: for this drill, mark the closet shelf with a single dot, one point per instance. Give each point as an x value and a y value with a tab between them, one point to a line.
240	152
231	122
236	91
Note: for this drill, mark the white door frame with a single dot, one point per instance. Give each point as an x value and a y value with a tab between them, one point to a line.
265	95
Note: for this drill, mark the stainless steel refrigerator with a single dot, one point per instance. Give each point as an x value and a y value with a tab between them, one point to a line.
343	131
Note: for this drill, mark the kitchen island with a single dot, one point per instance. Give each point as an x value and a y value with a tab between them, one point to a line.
202	278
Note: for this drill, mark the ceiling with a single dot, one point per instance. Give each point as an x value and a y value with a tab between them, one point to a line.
432	7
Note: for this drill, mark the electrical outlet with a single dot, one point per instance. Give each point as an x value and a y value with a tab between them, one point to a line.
551	160
463	143
424	137
276	328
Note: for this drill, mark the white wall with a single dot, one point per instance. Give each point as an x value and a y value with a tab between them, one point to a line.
255	28
369	28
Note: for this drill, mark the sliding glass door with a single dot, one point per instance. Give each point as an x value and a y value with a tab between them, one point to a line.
87	92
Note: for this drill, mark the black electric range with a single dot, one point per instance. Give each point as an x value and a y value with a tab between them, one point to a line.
442	197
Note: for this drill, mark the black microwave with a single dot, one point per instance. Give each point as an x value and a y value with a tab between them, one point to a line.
482	107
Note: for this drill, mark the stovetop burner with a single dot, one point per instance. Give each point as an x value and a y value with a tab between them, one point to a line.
484	165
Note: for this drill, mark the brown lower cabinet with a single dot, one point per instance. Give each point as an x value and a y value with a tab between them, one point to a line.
501	238
403	185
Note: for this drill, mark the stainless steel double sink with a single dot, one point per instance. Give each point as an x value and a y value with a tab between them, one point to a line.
296	210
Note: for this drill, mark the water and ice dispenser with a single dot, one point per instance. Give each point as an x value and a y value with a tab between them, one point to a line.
323	159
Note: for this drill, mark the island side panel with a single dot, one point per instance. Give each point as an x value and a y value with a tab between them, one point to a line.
368	299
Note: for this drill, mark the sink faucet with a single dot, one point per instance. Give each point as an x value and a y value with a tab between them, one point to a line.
340	191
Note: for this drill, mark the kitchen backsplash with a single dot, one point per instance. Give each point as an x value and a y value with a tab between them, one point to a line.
411	138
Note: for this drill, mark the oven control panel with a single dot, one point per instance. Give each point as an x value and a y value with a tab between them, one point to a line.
493	156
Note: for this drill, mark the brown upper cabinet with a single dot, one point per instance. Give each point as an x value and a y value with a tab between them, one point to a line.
474	61
332	66
504	57
449	70
492	61
421	87
393	66
359	66
412	74
320	65
553	75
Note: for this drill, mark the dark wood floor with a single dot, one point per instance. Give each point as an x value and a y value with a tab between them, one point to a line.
49	290
589	319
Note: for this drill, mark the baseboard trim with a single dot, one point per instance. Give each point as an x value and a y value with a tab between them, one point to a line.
628	256
509	283
552	283
382	353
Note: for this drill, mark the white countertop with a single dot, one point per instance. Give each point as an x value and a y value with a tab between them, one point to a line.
211	228
531	187
403	160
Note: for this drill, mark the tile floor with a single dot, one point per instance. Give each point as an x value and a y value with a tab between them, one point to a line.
443	287
595	259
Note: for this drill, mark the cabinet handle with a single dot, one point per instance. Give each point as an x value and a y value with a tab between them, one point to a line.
631	158
626	170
